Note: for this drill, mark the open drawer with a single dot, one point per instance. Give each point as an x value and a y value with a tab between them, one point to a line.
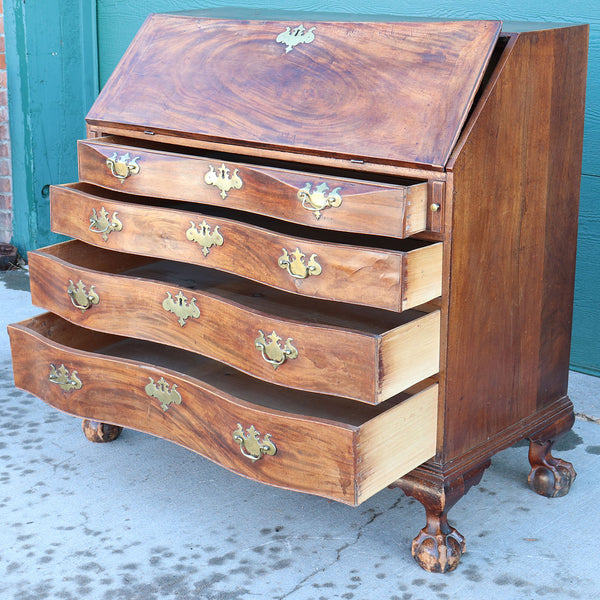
383	273
323	445
362	353
340	203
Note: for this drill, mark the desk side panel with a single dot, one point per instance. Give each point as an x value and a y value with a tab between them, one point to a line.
514	227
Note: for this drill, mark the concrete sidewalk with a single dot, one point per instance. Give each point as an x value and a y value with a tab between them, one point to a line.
143	519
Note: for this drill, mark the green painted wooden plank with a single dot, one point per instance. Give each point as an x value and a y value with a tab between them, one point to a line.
52	81
585	350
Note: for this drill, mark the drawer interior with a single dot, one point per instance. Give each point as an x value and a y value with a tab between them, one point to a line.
269	223
145	144
244	388
245	292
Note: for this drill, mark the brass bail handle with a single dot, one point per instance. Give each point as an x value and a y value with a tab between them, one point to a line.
271	349
123	166
80	297
251	446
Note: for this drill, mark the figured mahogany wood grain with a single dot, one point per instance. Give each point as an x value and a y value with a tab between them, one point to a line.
314	454
354	274
395	92
226	330
379	209
516	185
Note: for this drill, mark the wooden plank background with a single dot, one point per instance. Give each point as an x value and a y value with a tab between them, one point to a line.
118	22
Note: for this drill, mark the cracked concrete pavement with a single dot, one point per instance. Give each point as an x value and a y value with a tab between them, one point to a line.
143	519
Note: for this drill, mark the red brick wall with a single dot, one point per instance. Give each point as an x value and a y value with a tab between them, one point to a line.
5	179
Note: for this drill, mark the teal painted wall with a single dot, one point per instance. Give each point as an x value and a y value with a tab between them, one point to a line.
118	21
51	53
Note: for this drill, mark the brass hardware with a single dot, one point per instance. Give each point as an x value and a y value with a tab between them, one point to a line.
179	307
434	207
204	237
123	166
221	179
66	381
320	199
80	298
160	390
295	265
298	35
272	352
101	224
250	446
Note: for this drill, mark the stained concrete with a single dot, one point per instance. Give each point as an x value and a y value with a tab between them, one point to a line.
143	519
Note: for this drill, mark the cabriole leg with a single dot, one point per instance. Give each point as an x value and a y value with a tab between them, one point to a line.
100	432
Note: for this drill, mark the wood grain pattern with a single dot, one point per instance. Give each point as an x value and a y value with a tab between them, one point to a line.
249	89
226	330
314	455
389	210
508	352
387	452
353	274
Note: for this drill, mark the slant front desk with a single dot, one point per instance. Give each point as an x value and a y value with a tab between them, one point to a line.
329	255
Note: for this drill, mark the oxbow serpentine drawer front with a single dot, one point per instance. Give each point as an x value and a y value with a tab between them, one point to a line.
350	244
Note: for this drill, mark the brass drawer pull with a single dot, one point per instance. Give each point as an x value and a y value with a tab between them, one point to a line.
204	237
160	390
272	352
99	223
80	298
293	37
67	381
250	446
123	166
221	179
295	264
180	308
319	199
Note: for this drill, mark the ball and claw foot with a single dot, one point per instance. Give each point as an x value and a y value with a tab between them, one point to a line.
440	552
549	476
100	432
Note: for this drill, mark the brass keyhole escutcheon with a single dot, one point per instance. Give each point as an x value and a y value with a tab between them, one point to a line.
65	380
222	179
166	394
292	37
180	307
204	237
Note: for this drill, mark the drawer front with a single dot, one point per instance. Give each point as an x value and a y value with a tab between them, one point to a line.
313	357
387	279
310	199
303	453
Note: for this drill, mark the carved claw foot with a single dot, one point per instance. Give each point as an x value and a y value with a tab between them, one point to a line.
549	476
440	550
439	547
100	432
